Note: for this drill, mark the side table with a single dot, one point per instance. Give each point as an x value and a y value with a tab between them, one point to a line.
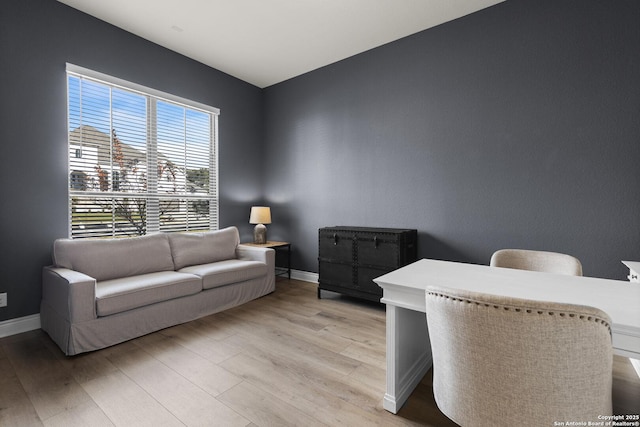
277	246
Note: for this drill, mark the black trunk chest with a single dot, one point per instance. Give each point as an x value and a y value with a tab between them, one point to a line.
350	258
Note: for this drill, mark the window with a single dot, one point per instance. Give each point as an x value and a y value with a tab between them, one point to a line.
140	161
78	180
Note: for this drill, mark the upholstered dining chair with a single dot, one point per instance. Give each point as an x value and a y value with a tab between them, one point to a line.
501	361
550	262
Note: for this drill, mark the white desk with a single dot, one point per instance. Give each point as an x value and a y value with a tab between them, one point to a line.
408	348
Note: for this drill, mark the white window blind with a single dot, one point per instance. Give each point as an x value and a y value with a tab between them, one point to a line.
140	161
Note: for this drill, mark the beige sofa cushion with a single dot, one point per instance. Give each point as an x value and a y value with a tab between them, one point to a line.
227	272
105	259
118	295
203	248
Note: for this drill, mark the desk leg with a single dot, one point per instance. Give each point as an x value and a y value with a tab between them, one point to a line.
408	354
636	365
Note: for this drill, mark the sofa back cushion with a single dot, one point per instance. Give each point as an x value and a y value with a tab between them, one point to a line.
203	248
105	259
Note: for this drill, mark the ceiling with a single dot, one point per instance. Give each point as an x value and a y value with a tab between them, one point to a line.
265	42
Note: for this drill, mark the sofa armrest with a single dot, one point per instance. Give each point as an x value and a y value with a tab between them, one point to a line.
252	253
70	293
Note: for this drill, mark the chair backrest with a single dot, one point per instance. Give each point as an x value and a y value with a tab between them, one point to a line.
500	361
550	262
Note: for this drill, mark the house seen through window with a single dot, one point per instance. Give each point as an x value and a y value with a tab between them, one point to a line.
140	161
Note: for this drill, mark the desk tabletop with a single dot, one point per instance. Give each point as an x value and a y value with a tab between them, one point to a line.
621	300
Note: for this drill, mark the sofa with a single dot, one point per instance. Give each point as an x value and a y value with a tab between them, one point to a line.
100	292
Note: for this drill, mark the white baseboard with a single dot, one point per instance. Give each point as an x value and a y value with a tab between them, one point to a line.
19	325
305	276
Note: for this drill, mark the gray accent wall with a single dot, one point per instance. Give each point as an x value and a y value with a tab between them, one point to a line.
514	127
37	39
517	126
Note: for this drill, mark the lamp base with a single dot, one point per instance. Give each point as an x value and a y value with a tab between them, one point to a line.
260	234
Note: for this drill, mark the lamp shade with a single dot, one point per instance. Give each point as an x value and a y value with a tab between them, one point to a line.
260	215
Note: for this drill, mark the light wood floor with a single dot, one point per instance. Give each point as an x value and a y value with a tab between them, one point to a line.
284	359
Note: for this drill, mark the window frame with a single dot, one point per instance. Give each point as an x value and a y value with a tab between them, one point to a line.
152	225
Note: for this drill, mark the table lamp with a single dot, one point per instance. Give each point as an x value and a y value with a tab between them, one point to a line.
260	215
